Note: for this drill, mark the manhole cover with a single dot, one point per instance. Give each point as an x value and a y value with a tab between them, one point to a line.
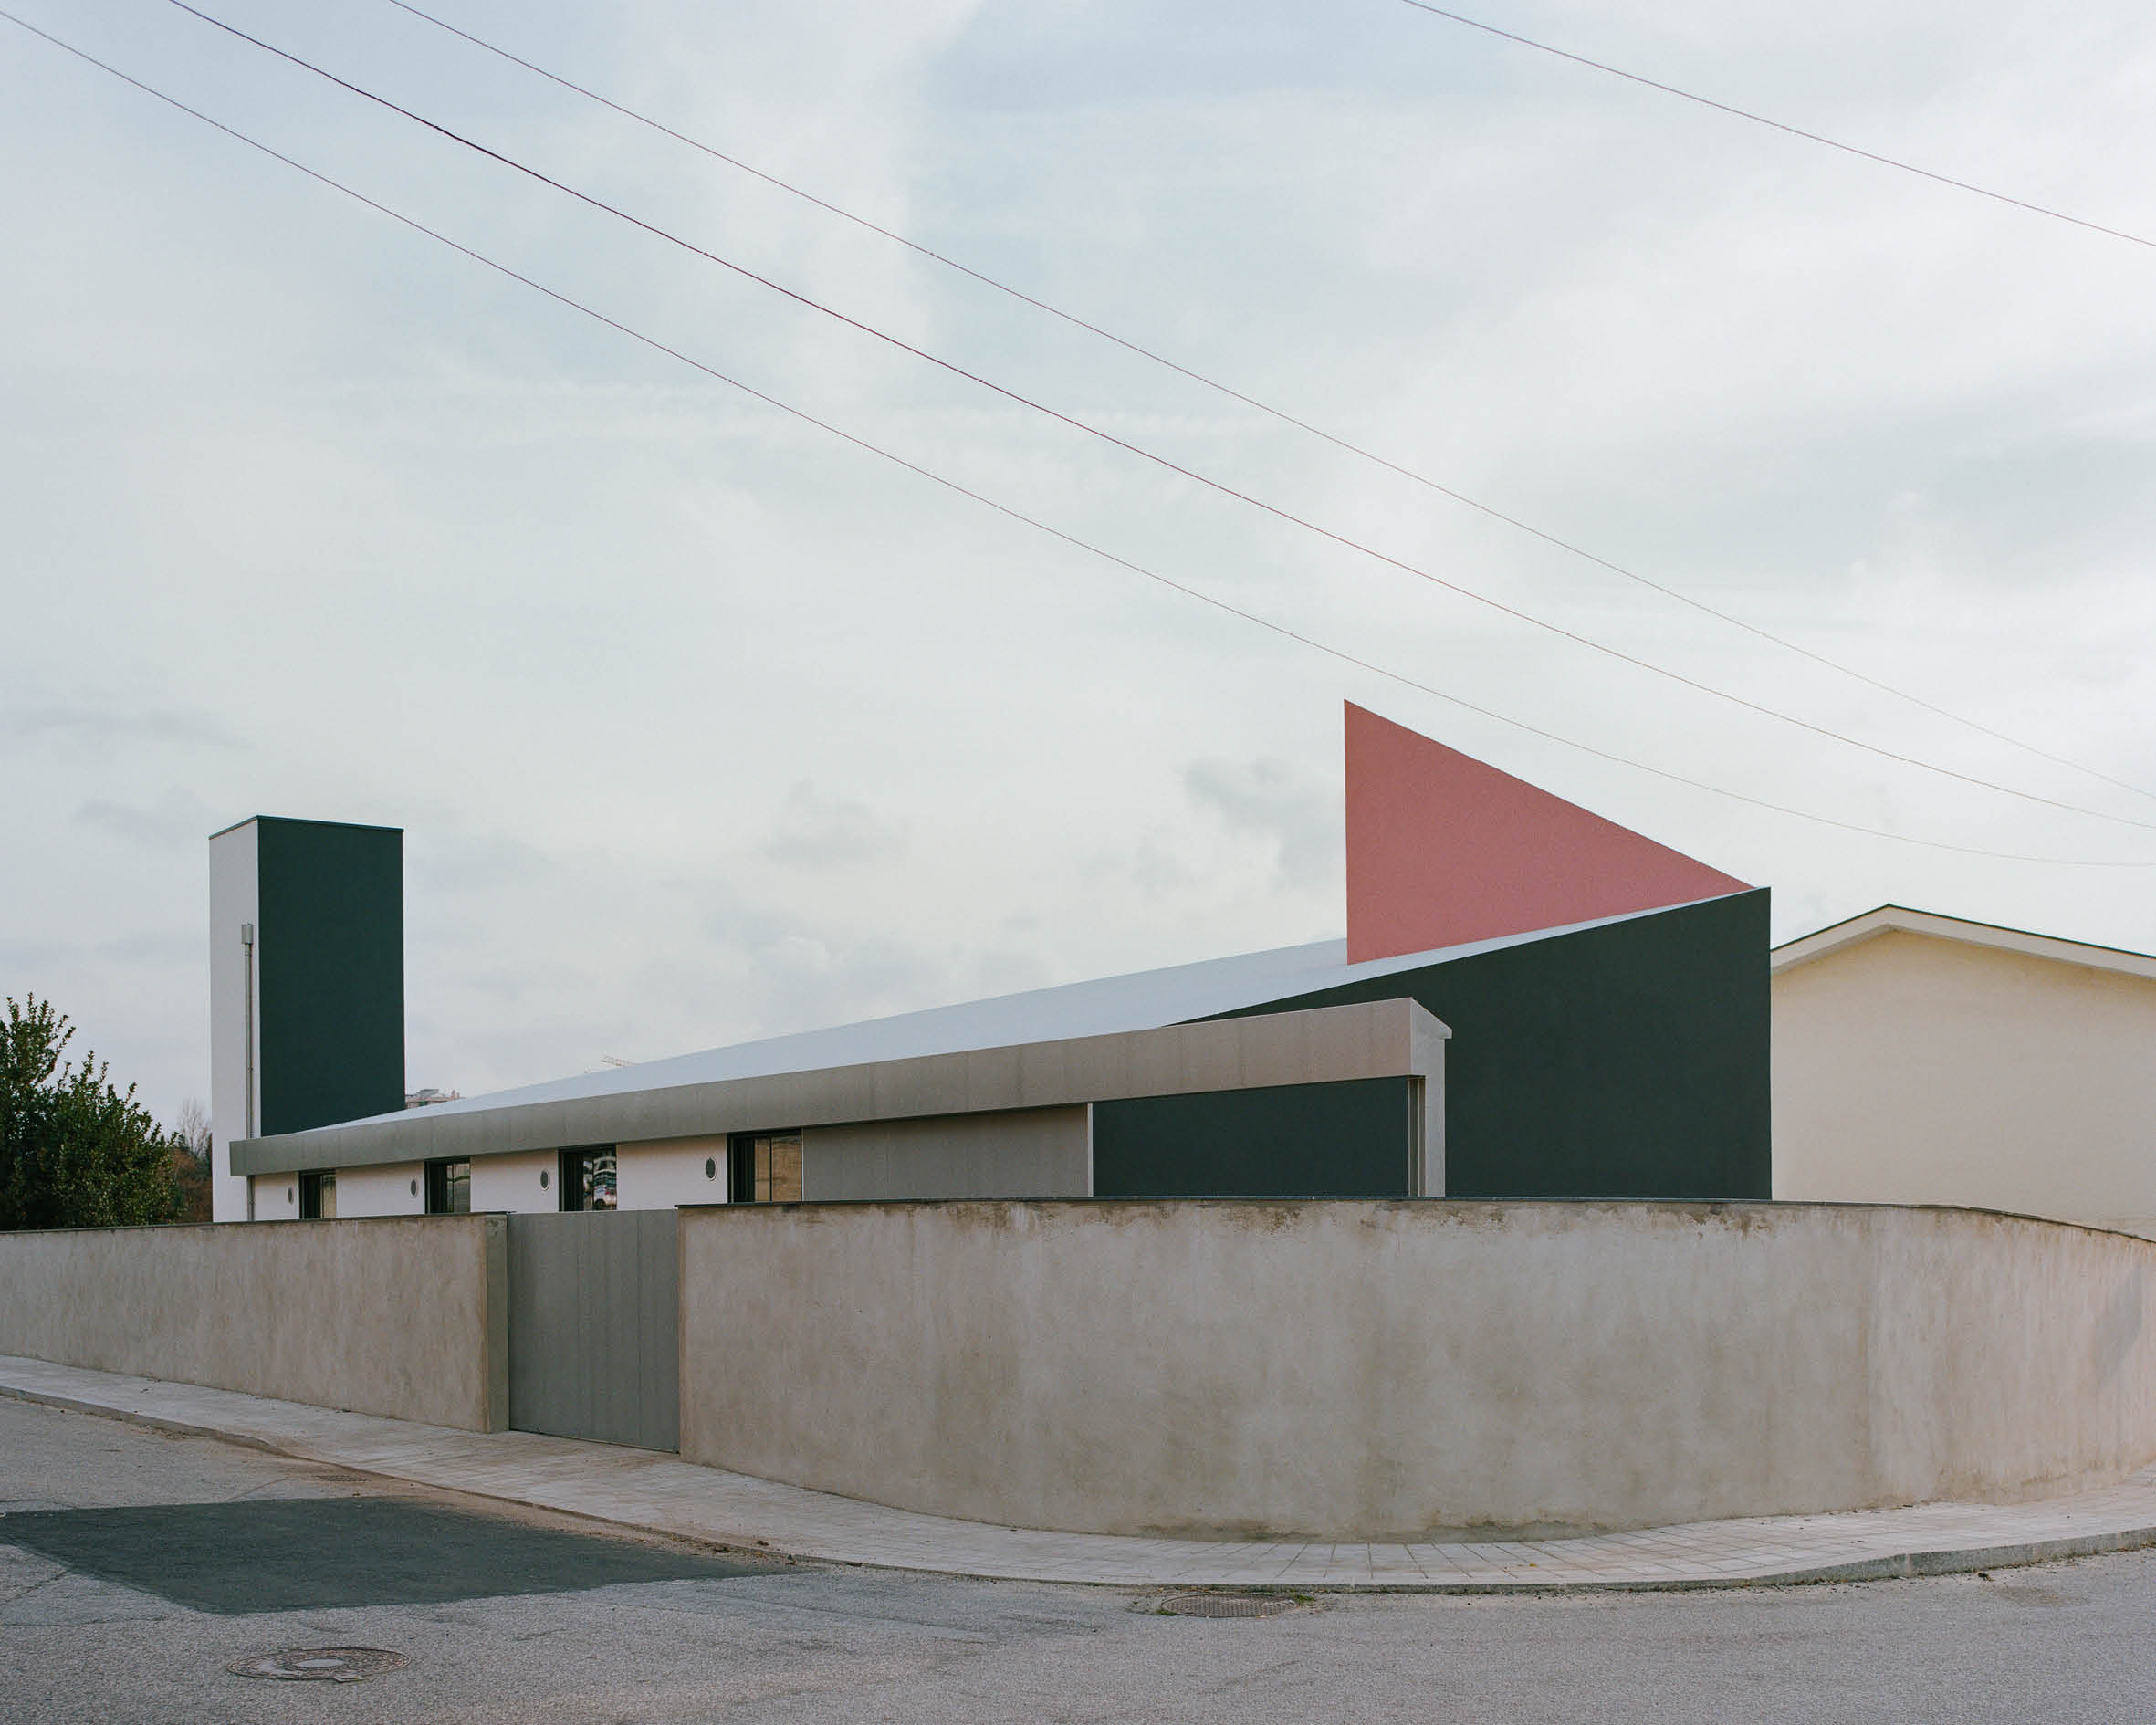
320	1665
1225	1604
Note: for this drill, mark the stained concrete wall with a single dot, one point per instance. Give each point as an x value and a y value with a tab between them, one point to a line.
1390	1369
401	1317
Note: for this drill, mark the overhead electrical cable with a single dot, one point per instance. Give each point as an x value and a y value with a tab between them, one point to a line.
1282	629
1777	125
1280	414
1334	537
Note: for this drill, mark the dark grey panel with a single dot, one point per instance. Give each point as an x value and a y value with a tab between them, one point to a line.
1036	1153
1354	1139
1630	1061
594	1326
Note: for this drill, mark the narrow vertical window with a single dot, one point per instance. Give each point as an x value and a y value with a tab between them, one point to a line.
448	1188
588	1178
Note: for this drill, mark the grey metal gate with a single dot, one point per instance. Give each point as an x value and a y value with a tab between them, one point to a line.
594	1326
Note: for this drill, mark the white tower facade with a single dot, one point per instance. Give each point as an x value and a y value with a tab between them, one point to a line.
235	1030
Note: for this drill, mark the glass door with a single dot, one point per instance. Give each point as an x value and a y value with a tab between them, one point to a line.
764	1167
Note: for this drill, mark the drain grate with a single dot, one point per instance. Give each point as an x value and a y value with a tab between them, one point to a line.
1224	1604
320	1665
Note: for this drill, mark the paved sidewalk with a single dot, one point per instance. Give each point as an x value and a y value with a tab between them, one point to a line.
644	1488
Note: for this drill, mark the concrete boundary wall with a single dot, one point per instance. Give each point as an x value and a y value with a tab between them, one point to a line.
1405	1369
405	1317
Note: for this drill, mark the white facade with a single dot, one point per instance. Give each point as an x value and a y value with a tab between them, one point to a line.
236	1020
273	1197
523	1182
1922	1060
392	1189
668	1172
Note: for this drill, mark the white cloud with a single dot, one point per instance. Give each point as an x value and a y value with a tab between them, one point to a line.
813	831
177	819
1267	800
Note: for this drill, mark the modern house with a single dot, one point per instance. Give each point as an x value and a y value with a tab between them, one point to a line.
1921	1059
1530	1001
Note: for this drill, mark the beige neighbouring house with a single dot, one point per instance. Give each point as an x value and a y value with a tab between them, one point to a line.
1920	1059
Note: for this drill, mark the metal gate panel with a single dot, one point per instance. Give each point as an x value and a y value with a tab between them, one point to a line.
594	1326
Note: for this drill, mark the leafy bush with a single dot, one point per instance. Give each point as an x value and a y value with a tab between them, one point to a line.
74	1151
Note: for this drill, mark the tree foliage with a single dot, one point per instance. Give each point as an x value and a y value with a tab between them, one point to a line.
190	1141
75	1152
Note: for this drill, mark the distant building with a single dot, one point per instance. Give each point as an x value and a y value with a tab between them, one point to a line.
1920	1059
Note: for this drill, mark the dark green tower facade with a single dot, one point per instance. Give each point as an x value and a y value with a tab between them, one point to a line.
330	965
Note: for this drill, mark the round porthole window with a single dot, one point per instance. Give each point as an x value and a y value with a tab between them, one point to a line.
711	1167
542	1179
415	1188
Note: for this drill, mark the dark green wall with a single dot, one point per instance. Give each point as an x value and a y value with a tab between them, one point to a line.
1353	1139
330	959
1628	1061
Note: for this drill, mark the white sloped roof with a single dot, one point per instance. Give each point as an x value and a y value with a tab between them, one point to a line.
1146	1000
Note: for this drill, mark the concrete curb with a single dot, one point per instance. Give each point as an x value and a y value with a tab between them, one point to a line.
247	1440
1905	1566
1717	1555
154	1422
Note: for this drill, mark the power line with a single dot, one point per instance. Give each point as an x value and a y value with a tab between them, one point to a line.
1761	120
1279	629
1305	524
1304	425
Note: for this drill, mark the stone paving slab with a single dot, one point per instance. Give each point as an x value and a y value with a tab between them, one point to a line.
657	1492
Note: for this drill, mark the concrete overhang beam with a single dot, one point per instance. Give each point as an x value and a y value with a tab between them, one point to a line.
1380	1038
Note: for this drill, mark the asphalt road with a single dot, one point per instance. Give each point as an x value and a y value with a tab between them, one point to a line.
135	1567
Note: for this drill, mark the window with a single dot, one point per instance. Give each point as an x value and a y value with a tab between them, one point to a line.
449	1188
318	1195
764	1167
588	1178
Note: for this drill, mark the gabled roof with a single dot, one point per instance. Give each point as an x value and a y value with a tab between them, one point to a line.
1898	919
1149	999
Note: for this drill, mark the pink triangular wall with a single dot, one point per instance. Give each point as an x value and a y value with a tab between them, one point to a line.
1443	849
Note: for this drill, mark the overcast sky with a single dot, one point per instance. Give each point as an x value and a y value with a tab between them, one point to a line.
703	725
